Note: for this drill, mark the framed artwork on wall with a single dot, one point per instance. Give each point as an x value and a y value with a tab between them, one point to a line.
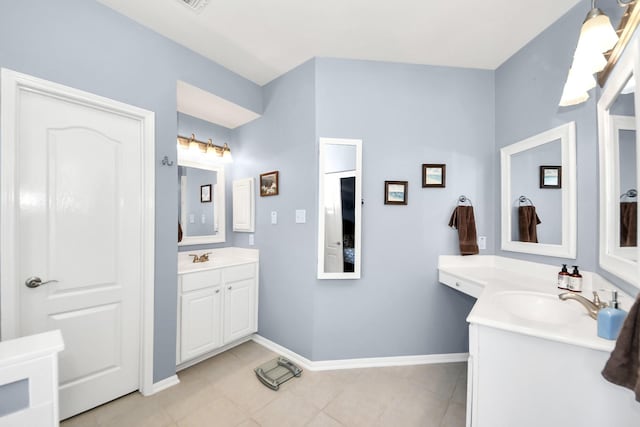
395	192
434	175
205	193
550	176
269	184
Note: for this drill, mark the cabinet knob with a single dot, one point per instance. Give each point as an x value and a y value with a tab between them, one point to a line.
217	291
230	287
457	284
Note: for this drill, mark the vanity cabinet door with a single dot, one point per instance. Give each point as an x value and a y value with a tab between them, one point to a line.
239	309
201	328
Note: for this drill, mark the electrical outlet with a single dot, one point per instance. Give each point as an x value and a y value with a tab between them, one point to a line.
301	216
274	217
482	242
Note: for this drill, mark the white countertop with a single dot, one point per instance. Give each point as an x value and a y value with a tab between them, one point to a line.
485	277
218	258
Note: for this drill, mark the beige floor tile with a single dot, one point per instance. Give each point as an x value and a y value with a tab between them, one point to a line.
86	419
245	390
249	423
253	353
124	405
460	391
440	379
455	416
149	415
316	388
323	420
221	412
287	410
213	369
357	407
420	409
181	400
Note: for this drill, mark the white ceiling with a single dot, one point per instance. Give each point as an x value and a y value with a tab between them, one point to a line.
262	40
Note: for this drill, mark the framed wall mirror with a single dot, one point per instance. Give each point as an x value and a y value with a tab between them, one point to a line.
201	200
538	194
340	208
618	155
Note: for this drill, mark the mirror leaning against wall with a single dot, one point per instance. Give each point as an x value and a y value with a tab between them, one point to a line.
618	155
340	208
538	194
201	199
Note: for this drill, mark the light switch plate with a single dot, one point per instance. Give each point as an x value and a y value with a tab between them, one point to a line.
482	242
251	240
192	219
301	216
274	217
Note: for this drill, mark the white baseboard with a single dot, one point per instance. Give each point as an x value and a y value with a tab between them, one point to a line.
370	362
163	385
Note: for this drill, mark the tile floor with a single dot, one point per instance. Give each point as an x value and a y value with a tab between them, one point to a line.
223	391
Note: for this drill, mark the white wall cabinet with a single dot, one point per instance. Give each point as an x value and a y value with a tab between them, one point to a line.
216	307
243	205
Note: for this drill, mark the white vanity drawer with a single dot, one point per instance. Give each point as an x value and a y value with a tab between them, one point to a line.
464	286
201	280
240	272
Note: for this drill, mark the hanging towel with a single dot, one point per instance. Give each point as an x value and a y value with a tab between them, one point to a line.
528	224
463	219
179	233
624	363
628	223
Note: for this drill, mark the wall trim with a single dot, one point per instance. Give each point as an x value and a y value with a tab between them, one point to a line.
369	362
161	385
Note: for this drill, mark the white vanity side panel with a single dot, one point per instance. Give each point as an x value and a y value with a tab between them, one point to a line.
530	382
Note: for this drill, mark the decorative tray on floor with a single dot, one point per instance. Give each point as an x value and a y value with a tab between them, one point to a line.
277	371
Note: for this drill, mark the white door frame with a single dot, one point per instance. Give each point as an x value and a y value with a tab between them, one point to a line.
11	83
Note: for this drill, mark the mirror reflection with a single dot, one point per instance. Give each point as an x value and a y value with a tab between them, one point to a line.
197	206
339	229
536	207
624	142
538	194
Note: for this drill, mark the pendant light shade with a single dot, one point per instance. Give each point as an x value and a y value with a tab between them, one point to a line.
597	36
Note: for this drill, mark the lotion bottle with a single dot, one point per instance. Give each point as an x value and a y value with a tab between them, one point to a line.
563	278
575	280
610	319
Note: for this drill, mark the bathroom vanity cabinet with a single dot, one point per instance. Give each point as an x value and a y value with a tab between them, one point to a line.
217	306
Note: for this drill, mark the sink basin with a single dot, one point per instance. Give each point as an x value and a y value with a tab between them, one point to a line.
539	307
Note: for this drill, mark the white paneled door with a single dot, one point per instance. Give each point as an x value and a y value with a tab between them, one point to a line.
78	209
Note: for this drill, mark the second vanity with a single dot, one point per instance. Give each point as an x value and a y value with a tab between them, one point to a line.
217	302
534	360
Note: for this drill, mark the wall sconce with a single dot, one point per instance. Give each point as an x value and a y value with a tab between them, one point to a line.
209	149
597	37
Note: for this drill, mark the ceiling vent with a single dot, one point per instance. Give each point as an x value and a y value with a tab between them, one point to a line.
195	5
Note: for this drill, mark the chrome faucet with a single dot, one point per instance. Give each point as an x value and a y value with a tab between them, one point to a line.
593	307
201	258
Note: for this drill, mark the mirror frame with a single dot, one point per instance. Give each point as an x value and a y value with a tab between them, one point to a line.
199	161
615	264
567	249
357	143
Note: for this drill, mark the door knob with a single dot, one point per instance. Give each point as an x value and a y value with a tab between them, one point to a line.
34	282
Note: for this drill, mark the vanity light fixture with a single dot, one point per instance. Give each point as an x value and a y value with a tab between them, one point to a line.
597	37
211	150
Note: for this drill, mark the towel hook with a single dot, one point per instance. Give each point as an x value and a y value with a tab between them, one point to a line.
523	199
166	162
463	199
632	193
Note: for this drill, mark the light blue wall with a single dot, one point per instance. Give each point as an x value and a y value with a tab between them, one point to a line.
88	46
283	139
14	397
406	115
528	89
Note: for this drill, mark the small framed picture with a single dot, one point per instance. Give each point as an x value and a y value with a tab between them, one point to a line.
269	184
550	176
395	192
434	175
205	193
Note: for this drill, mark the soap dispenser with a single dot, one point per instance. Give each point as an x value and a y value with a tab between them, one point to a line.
563	278
610	319
575	280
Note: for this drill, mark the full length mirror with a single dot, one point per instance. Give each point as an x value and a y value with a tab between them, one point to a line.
201	200
618	173
538	194
340	208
